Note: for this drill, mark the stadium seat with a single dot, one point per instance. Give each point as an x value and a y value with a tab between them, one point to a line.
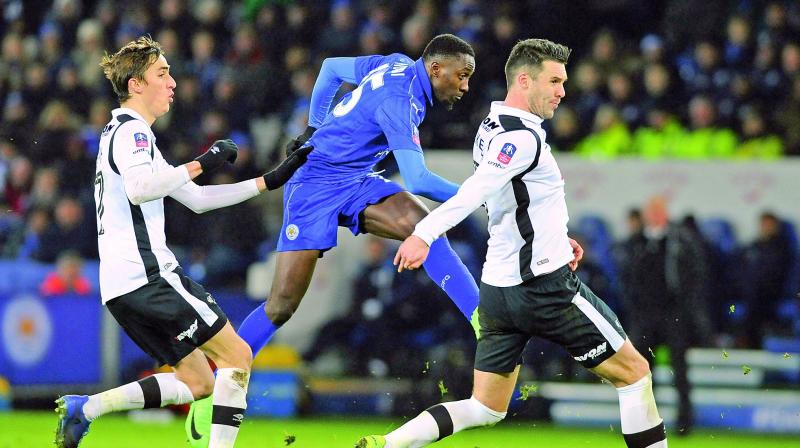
720	234
600	244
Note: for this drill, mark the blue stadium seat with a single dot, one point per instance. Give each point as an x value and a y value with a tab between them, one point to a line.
720	234
600	245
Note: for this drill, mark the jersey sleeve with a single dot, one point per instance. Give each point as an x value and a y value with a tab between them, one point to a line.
365	64
509	154
332	74
132	145
399	123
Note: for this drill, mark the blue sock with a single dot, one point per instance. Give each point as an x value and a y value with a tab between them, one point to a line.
257	329
448	271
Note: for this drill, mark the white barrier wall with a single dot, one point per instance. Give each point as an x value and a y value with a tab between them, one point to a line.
736	190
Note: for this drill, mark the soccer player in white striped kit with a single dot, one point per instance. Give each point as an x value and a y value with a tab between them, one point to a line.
172	318
528	287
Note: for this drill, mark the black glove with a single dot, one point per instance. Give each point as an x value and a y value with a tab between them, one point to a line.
300	140
220	152
283	172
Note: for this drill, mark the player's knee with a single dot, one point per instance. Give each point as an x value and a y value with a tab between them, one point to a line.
279	309
640	367
636	369
201	386
242	356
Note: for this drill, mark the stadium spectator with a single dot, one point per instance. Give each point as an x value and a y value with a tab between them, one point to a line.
664	284
68	278
610	137
757	141
340	36
768	261
704	138
69	230
661	135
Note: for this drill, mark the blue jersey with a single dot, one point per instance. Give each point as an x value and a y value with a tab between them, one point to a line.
382	114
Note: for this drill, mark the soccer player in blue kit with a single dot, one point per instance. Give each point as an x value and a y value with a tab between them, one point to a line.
337	185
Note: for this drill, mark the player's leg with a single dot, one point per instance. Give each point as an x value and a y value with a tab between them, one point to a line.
487	406
191	380
497	360
233	359
166	318
395	218
603	347
628	371
310	224
293	274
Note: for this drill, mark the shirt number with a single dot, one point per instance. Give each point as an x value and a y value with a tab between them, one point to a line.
98	190
373	78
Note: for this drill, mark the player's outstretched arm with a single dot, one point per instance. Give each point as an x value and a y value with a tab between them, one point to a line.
283	172
143	184
333	73
420	180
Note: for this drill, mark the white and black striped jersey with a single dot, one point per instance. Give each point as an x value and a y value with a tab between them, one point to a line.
131	240
519	181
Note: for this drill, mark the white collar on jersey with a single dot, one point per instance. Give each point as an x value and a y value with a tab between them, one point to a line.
500	108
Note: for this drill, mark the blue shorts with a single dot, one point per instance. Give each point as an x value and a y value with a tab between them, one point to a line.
312	212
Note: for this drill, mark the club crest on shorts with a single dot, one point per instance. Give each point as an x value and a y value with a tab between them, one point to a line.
506	153
292	232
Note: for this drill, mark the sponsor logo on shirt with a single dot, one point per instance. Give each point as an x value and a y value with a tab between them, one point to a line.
292	232
141	140
506	153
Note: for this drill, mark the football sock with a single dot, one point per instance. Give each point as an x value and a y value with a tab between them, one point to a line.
155	391
448	271
442	420
257	329
230	401
642	426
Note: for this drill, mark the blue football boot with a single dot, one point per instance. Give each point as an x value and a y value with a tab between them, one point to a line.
72	424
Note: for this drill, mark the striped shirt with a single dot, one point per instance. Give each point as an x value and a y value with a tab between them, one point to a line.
518	180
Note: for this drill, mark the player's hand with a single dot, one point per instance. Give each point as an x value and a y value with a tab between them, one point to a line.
220	152
411	254
283	172
299	141
577	254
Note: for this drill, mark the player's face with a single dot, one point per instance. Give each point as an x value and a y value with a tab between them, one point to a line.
450	78
158	88
545	90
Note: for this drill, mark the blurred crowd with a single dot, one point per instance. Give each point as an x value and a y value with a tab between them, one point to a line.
659	79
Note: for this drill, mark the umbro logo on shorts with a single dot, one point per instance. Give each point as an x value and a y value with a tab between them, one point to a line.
188	333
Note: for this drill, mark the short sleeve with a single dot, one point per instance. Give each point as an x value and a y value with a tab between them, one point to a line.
399	121
132	145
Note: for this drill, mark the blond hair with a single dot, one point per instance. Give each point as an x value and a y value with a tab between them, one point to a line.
131	61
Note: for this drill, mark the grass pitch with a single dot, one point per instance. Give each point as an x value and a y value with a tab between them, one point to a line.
36	429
